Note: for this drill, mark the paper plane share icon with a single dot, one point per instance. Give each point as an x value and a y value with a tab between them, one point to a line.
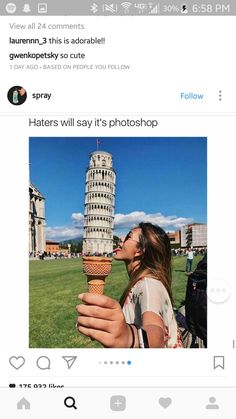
70	360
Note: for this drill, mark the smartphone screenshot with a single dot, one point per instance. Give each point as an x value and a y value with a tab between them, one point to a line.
117	179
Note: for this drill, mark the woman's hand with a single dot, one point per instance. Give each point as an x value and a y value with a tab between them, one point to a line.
101	318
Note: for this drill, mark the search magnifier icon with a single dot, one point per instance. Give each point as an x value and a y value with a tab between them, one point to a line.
70	402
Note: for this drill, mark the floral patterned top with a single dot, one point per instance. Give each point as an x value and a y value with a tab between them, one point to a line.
149	294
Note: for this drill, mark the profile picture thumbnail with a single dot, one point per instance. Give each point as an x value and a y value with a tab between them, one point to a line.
17	95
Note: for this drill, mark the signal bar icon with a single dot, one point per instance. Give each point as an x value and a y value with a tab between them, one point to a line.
155	10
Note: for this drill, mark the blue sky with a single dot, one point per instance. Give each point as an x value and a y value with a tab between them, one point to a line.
161	180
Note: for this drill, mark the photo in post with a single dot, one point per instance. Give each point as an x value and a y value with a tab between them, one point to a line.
121	223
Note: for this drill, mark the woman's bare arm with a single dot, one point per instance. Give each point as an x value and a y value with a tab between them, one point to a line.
154	327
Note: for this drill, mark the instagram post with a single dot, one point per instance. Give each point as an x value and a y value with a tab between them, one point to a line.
117	164
110	200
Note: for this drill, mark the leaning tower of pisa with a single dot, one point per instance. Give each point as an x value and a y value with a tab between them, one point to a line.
99	204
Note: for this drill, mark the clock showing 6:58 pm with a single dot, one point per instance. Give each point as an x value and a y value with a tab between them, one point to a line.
211	8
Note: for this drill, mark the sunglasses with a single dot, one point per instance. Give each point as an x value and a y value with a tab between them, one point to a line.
129	237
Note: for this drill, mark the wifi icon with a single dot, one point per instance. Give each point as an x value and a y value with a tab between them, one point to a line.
126	5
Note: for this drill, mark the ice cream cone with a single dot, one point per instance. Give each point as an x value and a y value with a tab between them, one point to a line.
97	268
96	286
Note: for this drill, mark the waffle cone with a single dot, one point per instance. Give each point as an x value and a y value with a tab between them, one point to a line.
96	268
96	286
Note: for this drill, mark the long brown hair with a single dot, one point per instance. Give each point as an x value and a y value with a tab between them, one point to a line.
155	260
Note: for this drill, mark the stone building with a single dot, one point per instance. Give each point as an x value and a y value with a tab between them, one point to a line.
174	237
52	246
99	204
37	241
194	235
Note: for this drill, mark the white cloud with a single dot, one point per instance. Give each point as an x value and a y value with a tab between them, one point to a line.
167	222
61	233
77	218
123	223
68	232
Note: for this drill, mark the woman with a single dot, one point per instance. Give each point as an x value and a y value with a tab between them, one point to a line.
144	317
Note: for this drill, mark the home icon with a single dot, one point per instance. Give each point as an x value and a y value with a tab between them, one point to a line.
23	404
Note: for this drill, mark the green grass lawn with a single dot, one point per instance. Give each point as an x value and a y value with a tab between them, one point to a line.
54	289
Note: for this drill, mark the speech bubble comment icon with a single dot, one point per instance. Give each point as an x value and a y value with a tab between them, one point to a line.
43	363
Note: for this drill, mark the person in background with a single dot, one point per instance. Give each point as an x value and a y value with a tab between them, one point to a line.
189	261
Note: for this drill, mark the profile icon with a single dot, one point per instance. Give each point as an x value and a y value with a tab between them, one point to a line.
17	95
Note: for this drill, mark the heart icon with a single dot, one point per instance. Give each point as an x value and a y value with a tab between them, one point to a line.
17	362
165	402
